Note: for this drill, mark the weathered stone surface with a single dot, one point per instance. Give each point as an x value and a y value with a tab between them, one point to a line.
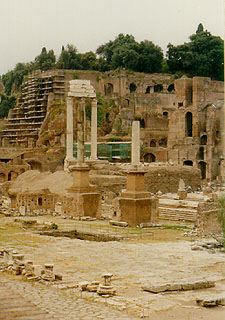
179	285
211	301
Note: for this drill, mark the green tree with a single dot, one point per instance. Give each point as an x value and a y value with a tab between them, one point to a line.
6	103
16	76
45	60
126	52
69	58
202	56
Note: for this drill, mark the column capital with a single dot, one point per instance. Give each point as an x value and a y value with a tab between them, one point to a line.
94	102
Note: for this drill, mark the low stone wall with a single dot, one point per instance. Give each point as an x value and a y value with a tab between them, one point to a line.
166	178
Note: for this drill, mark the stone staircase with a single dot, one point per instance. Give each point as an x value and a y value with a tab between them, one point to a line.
179	211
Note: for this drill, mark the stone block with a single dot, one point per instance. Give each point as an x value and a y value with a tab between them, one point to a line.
156	288
174	286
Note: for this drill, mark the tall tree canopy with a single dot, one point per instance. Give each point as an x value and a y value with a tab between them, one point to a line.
126	52
202	56
45	60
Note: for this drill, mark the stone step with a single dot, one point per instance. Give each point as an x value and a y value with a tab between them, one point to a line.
177	215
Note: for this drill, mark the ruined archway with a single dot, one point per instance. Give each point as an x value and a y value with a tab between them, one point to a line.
188	124
149	157
202	166
108	89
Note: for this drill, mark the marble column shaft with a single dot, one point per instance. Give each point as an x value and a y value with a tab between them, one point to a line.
94	129
135	152
80	131
69	128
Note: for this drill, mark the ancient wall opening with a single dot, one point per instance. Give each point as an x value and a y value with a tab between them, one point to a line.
188	124
171	88
132	87
149	157
203	140
108	89
188	163
153	143
158	88
163	142
202	166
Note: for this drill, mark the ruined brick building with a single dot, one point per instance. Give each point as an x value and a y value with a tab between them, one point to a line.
180	118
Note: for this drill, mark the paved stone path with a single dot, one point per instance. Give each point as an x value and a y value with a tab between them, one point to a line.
15	306
22	300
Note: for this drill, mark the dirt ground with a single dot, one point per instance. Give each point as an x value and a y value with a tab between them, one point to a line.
134	262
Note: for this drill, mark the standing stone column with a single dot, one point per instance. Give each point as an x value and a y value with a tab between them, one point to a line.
69	129
80	131
135	152
94	129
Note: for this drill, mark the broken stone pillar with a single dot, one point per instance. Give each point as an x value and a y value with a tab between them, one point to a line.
135	152
94	129
69	129
106	288
182	193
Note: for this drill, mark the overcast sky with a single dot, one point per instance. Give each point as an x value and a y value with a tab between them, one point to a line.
29	25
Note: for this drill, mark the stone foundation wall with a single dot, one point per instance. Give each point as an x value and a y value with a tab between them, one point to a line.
166	178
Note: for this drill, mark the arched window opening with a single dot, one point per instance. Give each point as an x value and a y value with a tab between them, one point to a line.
153	143
171	88
108	89
201	153
217	134
202	167
149	157
188	163
188	124
148	89
9	176
133	87
142	123
107	116
165	114
2	177
158	88
40	201
203	140
163	142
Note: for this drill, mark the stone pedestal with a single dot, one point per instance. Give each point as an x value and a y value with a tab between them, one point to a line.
137	205
87	201
106	288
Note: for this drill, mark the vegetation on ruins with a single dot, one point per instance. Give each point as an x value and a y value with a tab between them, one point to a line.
126	52
202	56
221	215
6	103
